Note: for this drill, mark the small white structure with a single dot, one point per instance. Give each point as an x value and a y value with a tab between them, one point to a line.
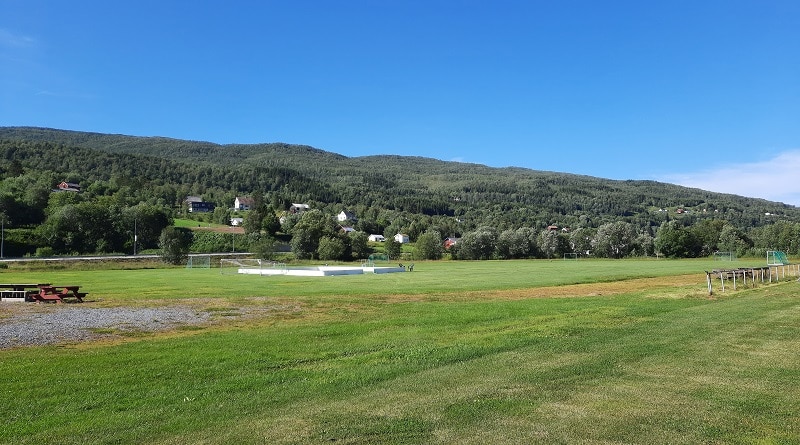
320	271
376	238
344	215
237	221
299	208
401	238
243	203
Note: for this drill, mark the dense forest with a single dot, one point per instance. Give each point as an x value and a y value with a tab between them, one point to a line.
126	179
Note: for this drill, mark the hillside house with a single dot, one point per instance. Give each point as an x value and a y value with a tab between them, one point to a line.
298	208
243	203
195	204
68	187
401	238
345	215
376	238
450	242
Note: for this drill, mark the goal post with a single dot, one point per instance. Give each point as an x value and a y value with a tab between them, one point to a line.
198	262
378	257
233	266
571	256
724	256
776	258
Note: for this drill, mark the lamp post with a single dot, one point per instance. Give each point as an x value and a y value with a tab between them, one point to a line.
135	237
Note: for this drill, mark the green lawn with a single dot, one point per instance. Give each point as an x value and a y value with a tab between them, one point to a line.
455	352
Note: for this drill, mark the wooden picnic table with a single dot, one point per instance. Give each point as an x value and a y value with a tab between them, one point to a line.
57	293
19	290
18	286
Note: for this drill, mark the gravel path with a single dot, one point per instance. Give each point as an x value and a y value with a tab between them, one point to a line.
27	324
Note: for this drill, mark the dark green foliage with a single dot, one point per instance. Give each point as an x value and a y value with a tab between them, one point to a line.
359	245
478	245
209	242
676	241
392	248
330	248
174	243
312	227
389	194
263	246
429	246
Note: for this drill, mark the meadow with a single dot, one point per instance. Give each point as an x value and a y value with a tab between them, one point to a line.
501	352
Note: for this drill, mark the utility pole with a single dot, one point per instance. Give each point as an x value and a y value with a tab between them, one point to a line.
135	237
3	218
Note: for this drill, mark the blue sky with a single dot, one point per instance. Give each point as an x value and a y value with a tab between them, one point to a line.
698	93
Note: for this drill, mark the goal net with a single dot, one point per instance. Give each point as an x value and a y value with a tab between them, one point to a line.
198	262
724	256
776	258
571	256
234	265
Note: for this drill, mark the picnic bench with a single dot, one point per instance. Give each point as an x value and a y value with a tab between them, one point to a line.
57	293
15	291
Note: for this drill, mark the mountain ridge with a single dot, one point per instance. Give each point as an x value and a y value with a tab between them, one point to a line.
476	193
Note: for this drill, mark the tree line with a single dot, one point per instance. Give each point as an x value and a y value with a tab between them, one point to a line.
497	213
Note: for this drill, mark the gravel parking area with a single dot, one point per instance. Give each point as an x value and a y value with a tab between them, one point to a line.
26	324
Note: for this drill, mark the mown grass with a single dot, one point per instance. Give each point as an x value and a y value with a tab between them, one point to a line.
428	278
416	361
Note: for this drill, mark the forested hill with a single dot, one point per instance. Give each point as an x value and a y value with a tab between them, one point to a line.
474	195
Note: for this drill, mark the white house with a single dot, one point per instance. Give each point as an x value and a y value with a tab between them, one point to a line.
401	238
298	208
344	215
237	221
376	238
243	203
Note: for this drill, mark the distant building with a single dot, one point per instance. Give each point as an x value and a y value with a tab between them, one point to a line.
450	242
345	215
376	238
243	203
195	204
68	187
298	208
401	238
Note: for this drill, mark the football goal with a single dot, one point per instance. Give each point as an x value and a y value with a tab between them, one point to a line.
198	262
232	266
776	258
724	256
571	256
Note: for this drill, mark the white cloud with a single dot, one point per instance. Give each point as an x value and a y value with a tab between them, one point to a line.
7	38
773	179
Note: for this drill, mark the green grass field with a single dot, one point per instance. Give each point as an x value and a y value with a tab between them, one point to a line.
597	352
